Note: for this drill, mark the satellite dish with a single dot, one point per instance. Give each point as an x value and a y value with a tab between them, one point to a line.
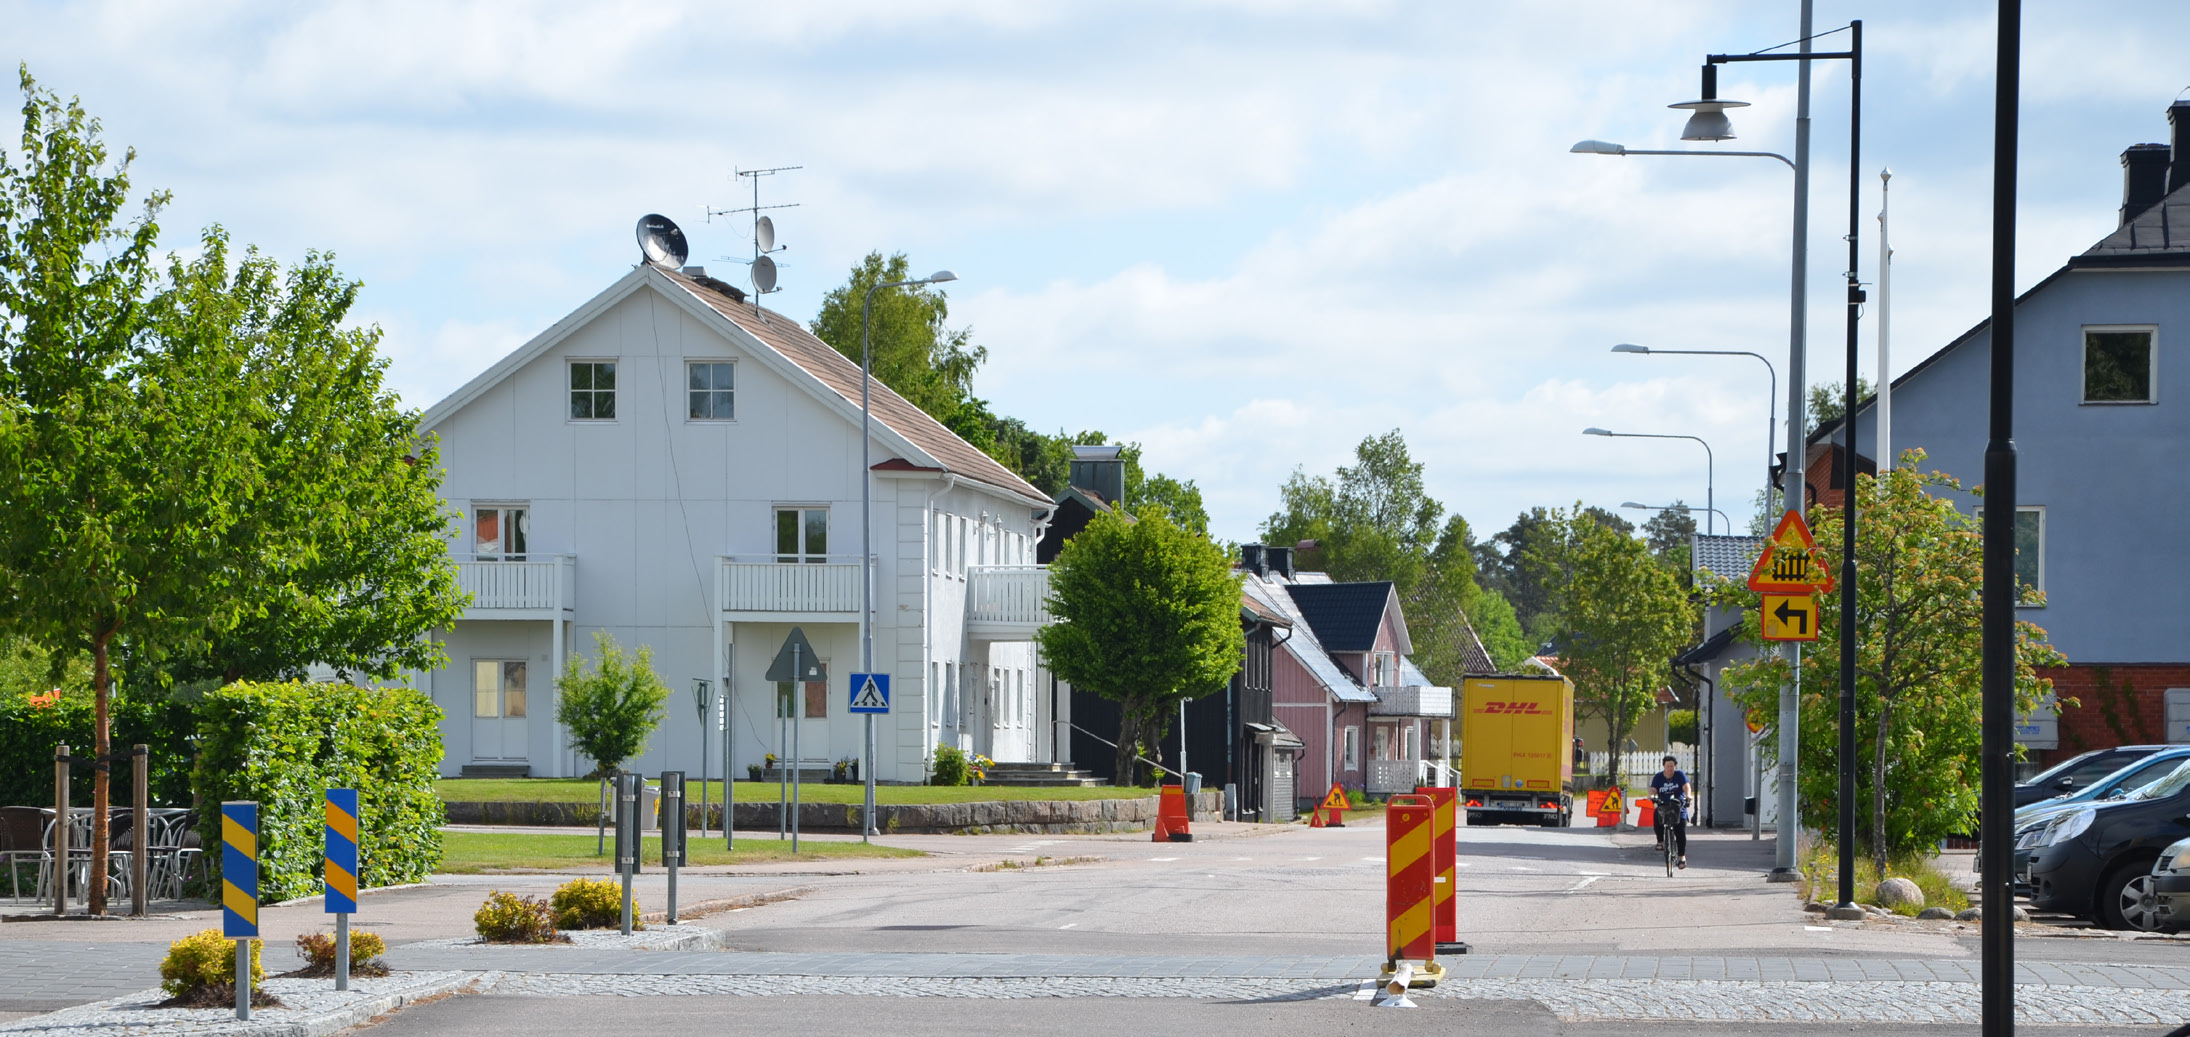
764	234
764	274
661	241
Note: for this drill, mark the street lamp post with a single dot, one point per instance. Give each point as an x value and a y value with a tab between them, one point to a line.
1714	108
1997	930
1683	508
866	521
702	698
1710	477
1771	408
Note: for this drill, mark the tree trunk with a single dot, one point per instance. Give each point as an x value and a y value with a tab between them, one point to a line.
1878	786
95	883
1129	732
1615	756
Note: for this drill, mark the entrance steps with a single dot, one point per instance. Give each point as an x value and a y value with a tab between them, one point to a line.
1041	775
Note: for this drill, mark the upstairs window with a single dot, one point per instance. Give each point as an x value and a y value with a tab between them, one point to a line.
2118	365
802	534
710	391
2030	555
592	390
498	532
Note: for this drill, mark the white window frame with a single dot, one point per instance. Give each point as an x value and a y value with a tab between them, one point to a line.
692	362
2083	365
1350	759
802	555
502	525
569	367
501	689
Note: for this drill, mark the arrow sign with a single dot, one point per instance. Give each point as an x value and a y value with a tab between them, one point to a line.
796	662
870	693
1791	616
1788	617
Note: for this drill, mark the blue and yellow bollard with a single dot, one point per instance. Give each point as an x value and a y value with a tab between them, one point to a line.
240	890
342	874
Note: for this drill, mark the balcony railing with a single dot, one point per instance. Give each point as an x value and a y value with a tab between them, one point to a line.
767	584
1007	598
1411	700
540	584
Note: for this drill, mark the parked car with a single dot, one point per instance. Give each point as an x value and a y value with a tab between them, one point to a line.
2096	861
2171	885
2031	820
2079	772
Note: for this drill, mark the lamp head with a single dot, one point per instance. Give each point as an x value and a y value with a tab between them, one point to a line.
1709	120
1637	507
1630	347
1598	147
1595	431
940	275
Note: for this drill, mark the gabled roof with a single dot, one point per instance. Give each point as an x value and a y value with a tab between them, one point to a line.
1730	557
2159	236
1346	615
1092	501
785	345
1302	644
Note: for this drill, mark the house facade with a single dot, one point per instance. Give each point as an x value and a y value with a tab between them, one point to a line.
682	470
2102	422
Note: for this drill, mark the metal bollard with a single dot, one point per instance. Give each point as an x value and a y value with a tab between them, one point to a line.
672	825
140	862
60	829
627	837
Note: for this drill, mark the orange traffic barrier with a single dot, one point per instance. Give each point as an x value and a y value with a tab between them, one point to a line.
1647	814
1610	806
1410	883
1596	802
1447	849
1333	801
1171	816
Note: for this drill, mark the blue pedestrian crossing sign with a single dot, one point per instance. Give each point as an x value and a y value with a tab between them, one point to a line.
870	693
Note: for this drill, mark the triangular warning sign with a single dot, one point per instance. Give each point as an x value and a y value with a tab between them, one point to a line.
1335	799
869	696
1789	563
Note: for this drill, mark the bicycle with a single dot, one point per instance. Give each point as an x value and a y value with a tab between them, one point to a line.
1672	828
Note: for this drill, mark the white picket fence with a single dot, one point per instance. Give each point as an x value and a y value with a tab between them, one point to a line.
1640	765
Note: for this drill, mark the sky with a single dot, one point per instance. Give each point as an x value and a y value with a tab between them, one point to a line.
1243	234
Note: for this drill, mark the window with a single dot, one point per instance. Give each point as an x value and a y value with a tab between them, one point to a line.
592	390
498	688
817	699
2118	364
802	534
2030	555
815	704
1353	750
1386	671
710	389
958	544
499	532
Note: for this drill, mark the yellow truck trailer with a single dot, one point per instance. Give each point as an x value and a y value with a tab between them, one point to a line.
1517	750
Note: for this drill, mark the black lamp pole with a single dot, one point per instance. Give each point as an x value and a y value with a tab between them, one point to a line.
1996	937
1854	56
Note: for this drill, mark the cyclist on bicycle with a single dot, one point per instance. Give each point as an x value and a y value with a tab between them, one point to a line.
1672	790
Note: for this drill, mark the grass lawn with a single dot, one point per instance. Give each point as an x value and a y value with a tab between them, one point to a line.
470	853
582	790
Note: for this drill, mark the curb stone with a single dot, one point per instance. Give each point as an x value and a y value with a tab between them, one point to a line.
316	1009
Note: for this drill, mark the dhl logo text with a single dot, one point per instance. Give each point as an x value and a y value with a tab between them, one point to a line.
1531	708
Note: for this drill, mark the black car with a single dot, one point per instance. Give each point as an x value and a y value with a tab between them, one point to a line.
2062	779
2096	862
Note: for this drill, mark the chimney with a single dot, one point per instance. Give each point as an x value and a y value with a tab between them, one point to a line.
2144	178
2178	121
1101	471
1281	560
1255	559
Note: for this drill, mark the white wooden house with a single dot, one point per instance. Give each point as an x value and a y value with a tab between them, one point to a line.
678	468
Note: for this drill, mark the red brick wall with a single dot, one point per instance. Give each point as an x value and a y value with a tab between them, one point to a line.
2119	705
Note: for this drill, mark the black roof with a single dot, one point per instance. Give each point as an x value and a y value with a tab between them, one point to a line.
1345	616
1708	650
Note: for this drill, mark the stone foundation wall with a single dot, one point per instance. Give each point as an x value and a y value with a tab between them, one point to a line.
1046	817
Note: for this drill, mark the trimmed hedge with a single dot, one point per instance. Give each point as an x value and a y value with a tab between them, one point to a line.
282	744
28	734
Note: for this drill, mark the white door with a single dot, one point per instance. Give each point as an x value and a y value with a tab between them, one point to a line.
498	710
813	724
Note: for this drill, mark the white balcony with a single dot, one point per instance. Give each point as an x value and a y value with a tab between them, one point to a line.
765	589
539	587
1411	700
1006	602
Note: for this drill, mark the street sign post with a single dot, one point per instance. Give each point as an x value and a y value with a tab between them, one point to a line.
795	664
341	872
1788	617
240	890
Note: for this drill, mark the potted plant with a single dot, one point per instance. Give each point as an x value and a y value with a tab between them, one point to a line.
752	771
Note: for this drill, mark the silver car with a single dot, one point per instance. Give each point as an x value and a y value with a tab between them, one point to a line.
2171	885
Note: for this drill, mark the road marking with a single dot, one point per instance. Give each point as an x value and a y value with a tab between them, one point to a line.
1366	991
1068	925
1311	858
1599	874
1520	868
1378	859
1584	884
1163	858
1818	928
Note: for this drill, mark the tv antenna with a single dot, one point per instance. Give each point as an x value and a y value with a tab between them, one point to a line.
762	267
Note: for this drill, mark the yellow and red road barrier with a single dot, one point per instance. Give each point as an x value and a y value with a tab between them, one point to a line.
1447	851
1410	888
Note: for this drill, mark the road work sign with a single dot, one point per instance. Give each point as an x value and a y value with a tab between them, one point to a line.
870	693
1789	563
1789	617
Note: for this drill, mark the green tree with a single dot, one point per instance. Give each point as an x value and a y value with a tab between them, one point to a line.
1667	533
1147	615
1920	574
927	362
1830	400
1622	618
613	705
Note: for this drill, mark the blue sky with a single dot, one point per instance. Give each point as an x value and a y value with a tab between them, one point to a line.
1244	234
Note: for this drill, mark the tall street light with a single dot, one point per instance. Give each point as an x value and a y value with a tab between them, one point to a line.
1710	477
1789	726
1846	907
1771	404
866	520
1682	508
1996	937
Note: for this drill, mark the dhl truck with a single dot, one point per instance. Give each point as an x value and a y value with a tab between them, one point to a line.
1517	750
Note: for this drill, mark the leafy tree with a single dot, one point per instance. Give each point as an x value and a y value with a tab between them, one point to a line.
1920	574
915	353
1622	615
612	706
1147	614
1667	533
1503	566
1830	400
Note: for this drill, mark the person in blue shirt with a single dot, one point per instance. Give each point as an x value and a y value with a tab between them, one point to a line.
1672	784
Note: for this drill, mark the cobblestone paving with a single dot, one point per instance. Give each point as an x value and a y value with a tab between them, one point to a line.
310	1008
